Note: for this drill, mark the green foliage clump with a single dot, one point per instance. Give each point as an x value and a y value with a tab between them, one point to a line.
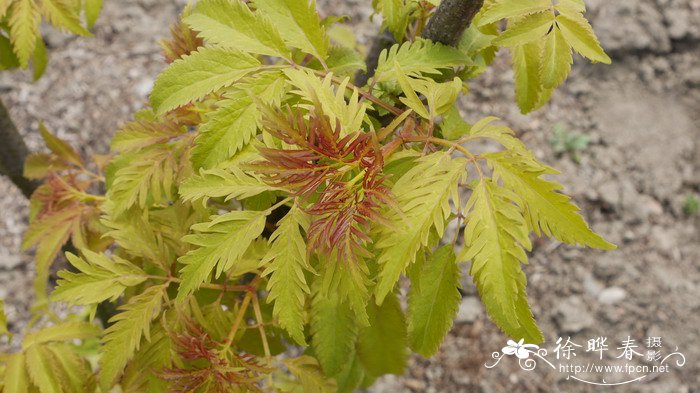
265	203
20	34
569	142
691	206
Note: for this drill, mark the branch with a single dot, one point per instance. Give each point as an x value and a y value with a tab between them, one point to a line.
13	153
449	21
384	40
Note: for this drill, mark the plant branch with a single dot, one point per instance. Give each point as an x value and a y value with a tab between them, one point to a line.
450	20
383	40
13	153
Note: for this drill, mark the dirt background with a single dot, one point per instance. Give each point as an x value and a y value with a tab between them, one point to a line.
641	115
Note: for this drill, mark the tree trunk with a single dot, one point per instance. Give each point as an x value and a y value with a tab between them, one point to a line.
13	153
449	21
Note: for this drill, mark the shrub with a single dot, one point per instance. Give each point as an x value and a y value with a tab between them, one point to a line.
259	216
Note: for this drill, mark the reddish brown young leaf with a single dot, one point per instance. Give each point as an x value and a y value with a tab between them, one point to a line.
341	174
205	366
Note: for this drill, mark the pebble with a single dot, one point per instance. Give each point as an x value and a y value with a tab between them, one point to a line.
572	315
469	310
612	295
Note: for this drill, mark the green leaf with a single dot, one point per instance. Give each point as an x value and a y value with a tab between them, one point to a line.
418	57
556	59
49	234
531	28
453	126
61	332
231	24
221	244
494	239
123	338
146	178
382	346
15	379
24	22
8	59
140	134
39	363
153	356
548	211
333	332
351	376
345	61
411	100
349	112
299	24
229	129
423	194
395	16
568	7
40	60
3	320
501	134
285	263
99	279
528	86
4	7
92	12
307	370
198	74
503	9
73	372
59	147
62	14
579	34
217	183
433	307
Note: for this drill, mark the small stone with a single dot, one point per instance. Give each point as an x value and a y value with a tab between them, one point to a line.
591	285
612	295
572	315
664	239
609	193
469	310
608	267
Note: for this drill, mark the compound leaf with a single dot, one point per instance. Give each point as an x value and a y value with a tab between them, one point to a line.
333	332
198	74
418	57
495	238
503	9
423	195
433	306
548	211
216	183
299	24
382	346
579	34
123	338
221	243
24	22
100	278
285	263
231	24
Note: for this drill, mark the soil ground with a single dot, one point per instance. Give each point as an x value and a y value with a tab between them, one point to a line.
641	116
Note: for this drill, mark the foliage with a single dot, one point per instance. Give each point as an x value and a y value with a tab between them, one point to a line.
569	142
691	206
264	202
20	35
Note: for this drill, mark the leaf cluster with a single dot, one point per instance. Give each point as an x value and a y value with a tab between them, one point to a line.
20	34
264	203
